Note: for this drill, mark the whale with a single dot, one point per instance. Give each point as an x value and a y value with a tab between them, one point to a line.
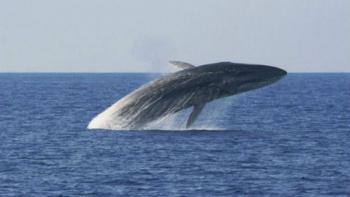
191	87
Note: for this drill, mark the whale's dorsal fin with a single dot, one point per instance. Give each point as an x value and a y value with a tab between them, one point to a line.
193	116
182	65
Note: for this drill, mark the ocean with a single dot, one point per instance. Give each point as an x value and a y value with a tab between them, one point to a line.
288	139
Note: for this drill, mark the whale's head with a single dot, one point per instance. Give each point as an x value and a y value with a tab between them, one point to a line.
236	78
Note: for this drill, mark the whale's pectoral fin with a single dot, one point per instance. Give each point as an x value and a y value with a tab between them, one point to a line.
193	116
182	65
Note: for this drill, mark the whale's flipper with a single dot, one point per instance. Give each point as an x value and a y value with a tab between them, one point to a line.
182	65
193	116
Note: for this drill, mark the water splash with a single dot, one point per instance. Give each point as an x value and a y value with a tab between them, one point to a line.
211	118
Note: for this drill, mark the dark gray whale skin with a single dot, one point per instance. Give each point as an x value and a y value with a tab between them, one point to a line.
191	87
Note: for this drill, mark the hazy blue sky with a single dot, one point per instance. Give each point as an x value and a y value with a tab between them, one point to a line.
142	35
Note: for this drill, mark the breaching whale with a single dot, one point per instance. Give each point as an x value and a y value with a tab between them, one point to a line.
193	86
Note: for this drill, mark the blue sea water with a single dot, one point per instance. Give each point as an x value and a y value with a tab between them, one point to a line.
289	139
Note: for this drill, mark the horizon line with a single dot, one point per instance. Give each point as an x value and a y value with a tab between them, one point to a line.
142	72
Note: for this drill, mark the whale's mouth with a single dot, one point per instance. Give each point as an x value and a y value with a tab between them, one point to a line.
255	84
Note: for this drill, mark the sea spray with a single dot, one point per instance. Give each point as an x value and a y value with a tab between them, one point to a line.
212	118
214	114
175	121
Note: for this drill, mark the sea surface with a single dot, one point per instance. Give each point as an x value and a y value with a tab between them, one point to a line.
288	139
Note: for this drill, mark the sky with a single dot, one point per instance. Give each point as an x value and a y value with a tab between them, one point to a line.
142	35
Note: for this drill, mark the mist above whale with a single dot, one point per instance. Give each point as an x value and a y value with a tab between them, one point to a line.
193	86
